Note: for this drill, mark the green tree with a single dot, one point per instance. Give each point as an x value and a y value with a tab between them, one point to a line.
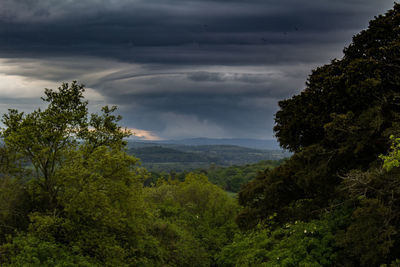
204	213
371	235
341	121
103	214
299	243
34	252
392	160
44	136
84	192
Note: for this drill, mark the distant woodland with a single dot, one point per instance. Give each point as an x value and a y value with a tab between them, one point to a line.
179	158
72	195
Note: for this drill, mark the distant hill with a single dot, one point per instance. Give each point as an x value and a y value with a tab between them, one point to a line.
175	157
249	143
159	154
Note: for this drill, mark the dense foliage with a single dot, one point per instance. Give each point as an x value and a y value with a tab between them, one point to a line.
70	195
231	179
338	129
202	211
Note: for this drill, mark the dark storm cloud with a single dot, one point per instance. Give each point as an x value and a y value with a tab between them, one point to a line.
241	104
152	98
193	31
181	68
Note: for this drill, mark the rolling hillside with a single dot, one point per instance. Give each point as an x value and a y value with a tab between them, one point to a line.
175	157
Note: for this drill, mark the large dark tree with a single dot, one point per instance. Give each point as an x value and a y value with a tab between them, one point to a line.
342	120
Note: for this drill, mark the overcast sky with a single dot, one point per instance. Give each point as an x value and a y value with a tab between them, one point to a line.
176	69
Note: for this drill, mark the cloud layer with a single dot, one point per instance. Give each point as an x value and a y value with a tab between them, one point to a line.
176	69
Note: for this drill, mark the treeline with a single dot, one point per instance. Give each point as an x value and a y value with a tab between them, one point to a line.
70	195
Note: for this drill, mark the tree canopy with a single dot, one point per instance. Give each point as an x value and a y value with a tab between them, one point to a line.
338	128
70	195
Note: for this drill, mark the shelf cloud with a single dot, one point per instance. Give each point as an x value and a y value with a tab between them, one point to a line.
176	69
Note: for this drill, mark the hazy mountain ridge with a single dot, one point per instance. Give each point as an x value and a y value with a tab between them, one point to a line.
176	157
266	144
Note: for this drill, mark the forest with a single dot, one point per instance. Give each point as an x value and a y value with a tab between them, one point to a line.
229	178
71	195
